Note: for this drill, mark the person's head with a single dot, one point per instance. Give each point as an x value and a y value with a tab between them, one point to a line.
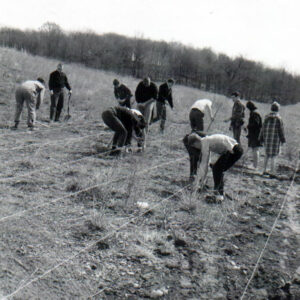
170	82
146	81
41	80
235	96
59	67
194	140
116	82
251	106
275	106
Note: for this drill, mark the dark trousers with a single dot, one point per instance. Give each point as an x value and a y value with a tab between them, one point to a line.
57	104
196	119
161	114
237	133
114	123
225	161
195	156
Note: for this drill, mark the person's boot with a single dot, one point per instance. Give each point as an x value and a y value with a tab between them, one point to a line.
15	127
57	115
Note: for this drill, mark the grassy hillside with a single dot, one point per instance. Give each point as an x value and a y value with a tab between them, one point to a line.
71	220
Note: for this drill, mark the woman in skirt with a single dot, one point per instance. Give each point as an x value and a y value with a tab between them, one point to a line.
272	135
254	127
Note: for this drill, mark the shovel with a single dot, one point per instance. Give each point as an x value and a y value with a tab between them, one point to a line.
68	116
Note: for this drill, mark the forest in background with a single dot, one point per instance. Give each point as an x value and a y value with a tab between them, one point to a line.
138	57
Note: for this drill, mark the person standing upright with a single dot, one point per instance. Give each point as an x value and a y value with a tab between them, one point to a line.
57	82
272	135
254	127
237	116
164	94
32	92
122	93
146	91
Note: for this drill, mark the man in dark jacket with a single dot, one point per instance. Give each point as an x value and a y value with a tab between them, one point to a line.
146	91
164	94
57	81
122	93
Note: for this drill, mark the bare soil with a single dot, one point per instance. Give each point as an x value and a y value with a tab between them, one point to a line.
76	223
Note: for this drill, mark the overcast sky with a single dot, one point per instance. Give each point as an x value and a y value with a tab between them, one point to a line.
264	30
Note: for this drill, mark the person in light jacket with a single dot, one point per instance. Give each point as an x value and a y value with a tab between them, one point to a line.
32	93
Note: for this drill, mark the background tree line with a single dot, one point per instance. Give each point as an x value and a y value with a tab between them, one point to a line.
200	68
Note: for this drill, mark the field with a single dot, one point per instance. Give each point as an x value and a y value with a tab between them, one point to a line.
78	224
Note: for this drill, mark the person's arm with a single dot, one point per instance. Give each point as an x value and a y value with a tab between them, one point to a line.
281	131
67	85
50	83
138	93
154	91
116	93
40	97
210	112
203	169
170	98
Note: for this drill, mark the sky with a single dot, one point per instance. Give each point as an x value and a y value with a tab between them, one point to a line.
267	31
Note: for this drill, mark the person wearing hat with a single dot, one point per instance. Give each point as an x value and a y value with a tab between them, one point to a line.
254	127
57	81
122	93
32	93
126	123
146	91
271	136
197	113
230	152
164	94
237	116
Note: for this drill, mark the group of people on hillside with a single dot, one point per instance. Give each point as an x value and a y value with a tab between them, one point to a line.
128	123
199	145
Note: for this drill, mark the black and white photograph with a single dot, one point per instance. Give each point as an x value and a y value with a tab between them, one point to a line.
150	149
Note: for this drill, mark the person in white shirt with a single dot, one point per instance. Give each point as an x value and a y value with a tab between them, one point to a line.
230	152
32	92
197	113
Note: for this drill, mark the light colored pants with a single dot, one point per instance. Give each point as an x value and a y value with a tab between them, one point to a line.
22	95
147	111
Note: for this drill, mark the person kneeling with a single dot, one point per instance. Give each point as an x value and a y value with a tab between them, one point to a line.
123	122
230	152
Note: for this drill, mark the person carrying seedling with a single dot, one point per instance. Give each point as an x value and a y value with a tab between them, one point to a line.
32	92
254	127
146	91
164	94
237	117
229	150
122	93
126	124
271	136
197	113
57	82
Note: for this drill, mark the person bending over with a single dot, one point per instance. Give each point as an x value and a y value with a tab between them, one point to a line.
197	113
228	149
32	93
123	122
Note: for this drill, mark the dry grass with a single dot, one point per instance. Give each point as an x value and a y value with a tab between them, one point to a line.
176	245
